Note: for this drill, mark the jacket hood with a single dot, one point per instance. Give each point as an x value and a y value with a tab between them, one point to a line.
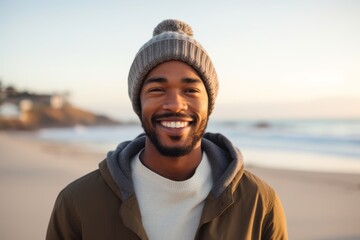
225	159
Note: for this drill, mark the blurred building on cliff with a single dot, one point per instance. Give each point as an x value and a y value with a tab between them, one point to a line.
15	104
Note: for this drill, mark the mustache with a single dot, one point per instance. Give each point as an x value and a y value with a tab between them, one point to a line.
169	115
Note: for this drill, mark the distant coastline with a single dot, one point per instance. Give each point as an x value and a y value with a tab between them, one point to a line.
46	117
31	111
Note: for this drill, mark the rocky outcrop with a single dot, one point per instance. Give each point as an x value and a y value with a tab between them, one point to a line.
47	117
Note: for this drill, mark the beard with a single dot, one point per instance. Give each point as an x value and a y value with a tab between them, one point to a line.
194	137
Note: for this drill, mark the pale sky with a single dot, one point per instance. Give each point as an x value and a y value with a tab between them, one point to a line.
275	59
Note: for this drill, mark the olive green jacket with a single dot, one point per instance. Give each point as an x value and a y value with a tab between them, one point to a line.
103	205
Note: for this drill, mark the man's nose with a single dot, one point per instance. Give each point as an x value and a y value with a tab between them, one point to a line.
175	102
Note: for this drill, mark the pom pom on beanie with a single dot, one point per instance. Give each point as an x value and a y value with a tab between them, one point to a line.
172	25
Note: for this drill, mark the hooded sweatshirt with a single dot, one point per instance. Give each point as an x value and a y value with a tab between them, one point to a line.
103	204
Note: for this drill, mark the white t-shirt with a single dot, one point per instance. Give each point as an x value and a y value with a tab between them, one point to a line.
171	209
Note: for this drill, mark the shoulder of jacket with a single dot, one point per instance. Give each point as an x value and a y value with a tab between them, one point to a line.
85	184
254	185
96	182
257	181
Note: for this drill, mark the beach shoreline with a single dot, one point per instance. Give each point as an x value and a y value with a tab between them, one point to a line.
318	205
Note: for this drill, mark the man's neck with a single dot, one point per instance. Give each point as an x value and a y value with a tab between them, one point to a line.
174	168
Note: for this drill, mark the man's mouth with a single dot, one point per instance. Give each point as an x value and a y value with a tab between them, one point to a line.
173	120
174	124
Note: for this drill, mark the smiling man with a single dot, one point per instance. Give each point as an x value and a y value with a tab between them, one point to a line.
174	181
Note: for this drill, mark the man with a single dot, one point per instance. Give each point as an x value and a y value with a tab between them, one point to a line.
174	181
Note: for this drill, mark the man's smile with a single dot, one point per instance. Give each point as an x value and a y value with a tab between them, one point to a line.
174	121
174	124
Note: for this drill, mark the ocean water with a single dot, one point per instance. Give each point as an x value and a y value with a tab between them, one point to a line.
318	145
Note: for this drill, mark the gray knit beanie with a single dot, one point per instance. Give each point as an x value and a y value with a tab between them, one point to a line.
172	40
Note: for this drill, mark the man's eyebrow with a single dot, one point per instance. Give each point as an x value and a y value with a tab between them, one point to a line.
191	80
164	80
155	80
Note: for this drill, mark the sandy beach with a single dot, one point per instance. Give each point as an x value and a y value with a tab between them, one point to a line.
32	172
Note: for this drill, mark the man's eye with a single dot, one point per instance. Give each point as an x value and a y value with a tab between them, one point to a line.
156	89
191	90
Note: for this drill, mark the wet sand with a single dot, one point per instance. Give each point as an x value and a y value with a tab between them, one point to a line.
32	172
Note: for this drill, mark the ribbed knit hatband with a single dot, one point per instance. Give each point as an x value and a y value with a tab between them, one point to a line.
172	40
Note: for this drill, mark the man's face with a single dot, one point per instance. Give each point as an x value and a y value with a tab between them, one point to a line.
174	108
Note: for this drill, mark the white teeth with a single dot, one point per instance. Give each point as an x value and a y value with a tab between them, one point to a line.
174	124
